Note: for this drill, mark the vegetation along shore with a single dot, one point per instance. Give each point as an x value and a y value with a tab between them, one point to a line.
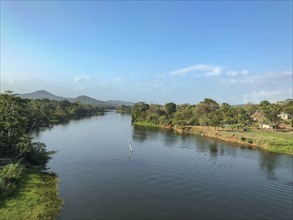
27	189
266	126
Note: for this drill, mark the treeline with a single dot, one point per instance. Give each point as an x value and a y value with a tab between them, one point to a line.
210	113
123	109
18	117
43	112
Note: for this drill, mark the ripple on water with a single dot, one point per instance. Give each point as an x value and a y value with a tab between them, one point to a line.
168	176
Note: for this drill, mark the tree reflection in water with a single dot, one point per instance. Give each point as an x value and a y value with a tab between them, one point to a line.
267	162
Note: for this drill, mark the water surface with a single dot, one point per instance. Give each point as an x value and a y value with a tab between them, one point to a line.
168	176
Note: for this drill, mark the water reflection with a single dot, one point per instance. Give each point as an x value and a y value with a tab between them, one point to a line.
201	145
170	138
142	133
231	150
130	154
124	114
213	148
268	164
64	124
204	145
139	134
206	177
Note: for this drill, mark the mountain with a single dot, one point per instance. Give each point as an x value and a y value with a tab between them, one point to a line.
87	100
117	102
41	94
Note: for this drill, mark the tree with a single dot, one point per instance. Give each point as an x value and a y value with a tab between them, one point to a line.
64	103
123	109
170	108
184	116
250	108
13	122
14	127
243	118
270	112
205	111
264	103
39	112
287	106
216	118
138	111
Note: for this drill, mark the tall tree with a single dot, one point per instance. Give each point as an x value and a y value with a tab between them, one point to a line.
170	108
13	122
14	127
138	111
205	110
271	113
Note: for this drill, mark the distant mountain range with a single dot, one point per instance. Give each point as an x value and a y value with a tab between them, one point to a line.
41	94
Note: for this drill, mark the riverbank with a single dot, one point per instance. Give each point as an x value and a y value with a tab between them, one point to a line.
271	141
36	197
148	124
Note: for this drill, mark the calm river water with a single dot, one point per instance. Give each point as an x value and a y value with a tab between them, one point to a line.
168	176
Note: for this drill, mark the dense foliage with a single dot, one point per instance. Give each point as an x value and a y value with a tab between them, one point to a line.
18	117
209	113
44	112
10	175
123	109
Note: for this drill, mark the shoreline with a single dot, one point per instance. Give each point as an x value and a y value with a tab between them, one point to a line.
36	197
269	141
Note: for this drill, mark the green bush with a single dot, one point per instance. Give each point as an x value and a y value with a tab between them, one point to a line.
9	177
249	140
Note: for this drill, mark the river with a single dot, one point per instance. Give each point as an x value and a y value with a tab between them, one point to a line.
167	176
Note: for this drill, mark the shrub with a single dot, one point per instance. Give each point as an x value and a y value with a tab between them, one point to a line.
249	140
9	176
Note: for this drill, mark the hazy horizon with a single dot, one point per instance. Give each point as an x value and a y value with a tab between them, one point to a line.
181	52
121	99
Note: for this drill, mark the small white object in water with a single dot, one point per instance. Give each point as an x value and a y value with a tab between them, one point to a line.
130	146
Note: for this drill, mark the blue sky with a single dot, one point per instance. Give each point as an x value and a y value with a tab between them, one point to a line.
157	52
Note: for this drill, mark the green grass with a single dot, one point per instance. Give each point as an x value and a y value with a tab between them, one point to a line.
280	142
148	124
272	141
36	197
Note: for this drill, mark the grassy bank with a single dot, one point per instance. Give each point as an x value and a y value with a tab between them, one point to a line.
268	140
272	141
36	197
148	124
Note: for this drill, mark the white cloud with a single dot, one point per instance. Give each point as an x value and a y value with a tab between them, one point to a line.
160	76
229	81
155	86
106	85
209	70
237	73
286	73
244	72
79	88
250	79
232	73
119	79
243	77
270	95
82	78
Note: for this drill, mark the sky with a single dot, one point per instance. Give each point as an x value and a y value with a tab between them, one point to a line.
152	51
